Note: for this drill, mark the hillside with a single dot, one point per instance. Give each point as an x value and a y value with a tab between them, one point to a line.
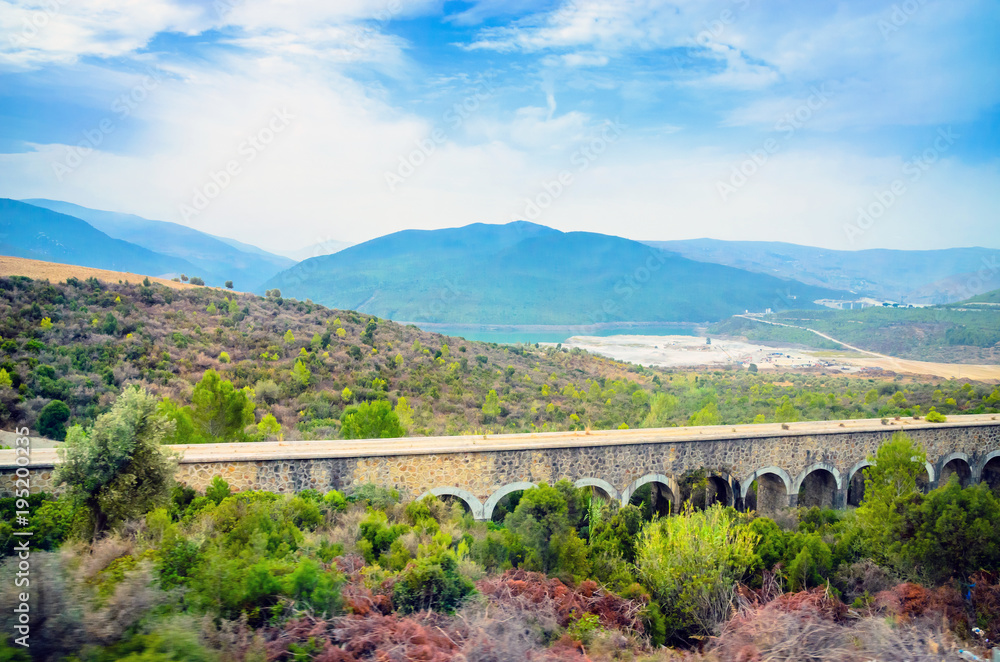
82	342
215	259
992	297
942	333
55	272
521	273
41	234
935	276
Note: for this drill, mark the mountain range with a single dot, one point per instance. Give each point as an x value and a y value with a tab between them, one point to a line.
522	273
519	273
934	276
214	259
41	234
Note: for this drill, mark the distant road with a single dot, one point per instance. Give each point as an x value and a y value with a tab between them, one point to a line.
906	366
818	333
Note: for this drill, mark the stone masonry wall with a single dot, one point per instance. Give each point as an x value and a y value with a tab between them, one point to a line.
482	473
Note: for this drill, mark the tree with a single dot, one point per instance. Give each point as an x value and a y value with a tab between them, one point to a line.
269	427
110	326
289	337
708	415
211	309
220	409
52	420
491	407
786	412
301	373
229	284
951	532
5	380
541	521
405	414
196	280
118	469
661	409
370	420
892	477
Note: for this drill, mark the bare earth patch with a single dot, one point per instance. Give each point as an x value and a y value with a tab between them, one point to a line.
695	352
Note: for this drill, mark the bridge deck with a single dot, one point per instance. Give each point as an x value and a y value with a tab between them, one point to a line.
291	450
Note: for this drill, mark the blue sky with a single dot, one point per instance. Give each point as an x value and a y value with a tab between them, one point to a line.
848	125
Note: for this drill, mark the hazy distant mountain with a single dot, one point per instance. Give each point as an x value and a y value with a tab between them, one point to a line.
328	247
41	234
215	259
934	276
521	273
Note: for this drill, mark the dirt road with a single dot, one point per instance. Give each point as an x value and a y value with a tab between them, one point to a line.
904	366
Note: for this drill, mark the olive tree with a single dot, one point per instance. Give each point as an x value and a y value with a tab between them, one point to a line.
118	469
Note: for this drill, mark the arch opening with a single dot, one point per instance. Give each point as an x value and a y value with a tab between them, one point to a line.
701	489
655	494
504	501
654	498
597	487
766	492
956	466
451	500
990	473
719	491
452	495
818	488
856	484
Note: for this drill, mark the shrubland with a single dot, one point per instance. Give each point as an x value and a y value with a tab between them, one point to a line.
565	575
232	367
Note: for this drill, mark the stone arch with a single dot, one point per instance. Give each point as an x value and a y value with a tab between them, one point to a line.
667	481
773	488
722	489
474	504
955	463
819	484
494	499
989	470
856	483
602	485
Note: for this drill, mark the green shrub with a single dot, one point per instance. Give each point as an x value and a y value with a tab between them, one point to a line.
691	564
52	420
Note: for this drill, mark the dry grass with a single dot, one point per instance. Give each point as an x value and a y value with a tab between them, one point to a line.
54	272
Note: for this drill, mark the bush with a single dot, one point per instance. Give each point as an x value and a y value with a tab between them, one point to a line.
431	582
691	564
218	490
52	420
935	416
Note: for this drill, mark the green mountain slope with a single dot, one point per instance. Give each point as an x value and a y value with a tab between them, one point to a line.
992	296
936	276
41	234
217	259
521	273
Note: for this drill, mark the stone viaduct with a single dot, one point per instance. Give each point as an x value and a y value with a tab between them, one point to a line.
763	467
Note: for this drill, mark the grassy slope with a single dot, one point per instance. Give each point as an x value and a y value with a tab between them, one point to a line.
166	339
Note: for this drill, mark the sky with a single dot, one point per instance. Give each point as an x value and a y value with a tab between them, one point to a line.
847	125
